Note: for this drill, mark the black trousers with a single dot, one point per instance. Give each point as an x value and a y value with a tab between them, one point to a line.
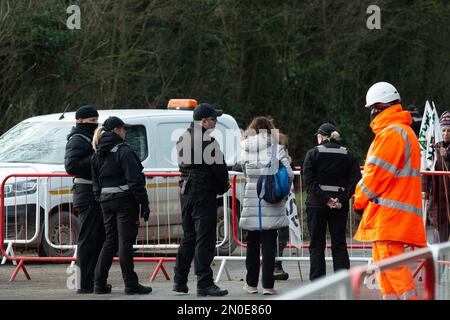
282	240
267	241
90	241
199	221
121	217
443	223
318	219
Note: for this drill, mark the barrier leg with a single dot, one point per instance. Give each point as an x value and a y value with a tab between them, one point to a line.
72	264
300	270
443	274
16	271
221	269
419	268
159	267
10	252
4	259
228	274
166	275
366	276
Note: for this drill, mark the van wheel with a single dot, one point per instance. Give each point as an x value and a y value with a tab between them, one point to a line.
230	245
63	229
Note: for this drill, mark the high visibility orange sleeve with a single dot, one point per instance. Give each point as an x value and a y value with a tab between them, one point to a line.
386	154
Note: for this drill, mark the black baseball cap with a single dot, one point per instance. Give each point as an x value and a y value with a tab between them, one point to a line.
205	110
326	129
114	122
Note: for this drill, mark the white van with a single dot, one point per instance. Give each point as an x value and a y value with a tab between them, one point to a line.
37	145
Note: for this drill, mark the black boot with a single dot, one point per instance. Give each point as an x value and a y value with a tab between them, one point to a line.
103	290
279	273
212	290
140	289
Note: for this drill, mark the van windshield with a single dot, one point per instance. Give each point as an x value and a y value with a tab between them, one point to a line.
45	142
35	142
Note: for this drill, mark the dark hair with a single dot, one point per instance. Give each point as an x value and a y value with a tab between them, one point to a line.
260	123
264	124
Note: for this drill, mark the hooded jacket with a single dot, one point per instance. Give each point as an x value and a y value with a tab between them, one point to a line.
77	162
390	190
256	153
115	164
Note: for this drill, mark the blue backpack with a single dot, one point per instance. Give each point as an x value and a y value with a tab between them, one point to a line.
273	188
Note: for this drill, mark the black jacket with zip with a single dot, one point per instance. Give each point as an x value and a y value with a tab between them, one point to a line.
330	164
77	162
200	157
116	164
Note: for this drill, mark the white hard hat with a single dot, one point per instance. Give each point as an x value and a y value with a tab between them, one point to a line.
381	92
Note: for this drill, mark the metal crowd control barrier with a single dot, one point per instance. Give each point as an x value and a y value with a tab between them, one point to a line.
340	283
45	202
294	252
348	282
9	204
358	252
436	213
40	204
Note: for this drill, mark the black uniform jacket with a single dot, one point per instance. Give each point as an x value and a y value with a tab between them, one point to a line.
329	171
200	159
77	162
115	164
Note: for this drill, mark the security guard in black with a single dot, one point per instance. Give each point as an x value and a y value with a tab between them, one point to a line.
201	181
77	161
119	185
330	171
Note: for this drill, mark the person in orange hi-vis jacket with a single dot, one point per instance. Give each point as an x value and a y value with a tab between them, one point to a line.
390	190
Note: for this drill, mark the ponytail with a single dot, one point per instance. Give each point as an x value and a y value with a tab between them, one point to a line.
335	136
97	135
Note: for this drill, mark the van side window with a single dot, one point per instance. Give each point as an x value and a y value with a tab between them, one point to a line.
168	135
137	138
229	140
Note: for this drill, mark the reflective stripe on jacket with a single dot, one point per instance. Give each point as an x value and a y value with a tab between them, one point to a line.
390	190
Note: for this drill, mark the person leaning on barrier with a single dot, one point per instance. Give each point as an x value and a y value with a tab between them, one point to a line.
77	162
260	146
204	175
330	172
390	189
119	186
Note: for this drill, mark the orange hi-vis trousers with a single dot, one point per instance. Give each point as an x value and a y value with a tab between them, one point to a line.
397	283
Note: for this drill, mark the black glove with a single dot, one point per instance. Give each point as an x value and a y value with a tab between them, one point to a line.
359	211
145	212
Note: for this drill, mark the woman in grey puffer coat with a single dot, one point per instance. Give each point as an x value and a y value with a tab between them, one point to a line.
257	150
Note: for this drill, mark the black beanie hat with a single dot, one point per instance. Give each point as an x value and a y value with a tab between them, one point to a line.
85	112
